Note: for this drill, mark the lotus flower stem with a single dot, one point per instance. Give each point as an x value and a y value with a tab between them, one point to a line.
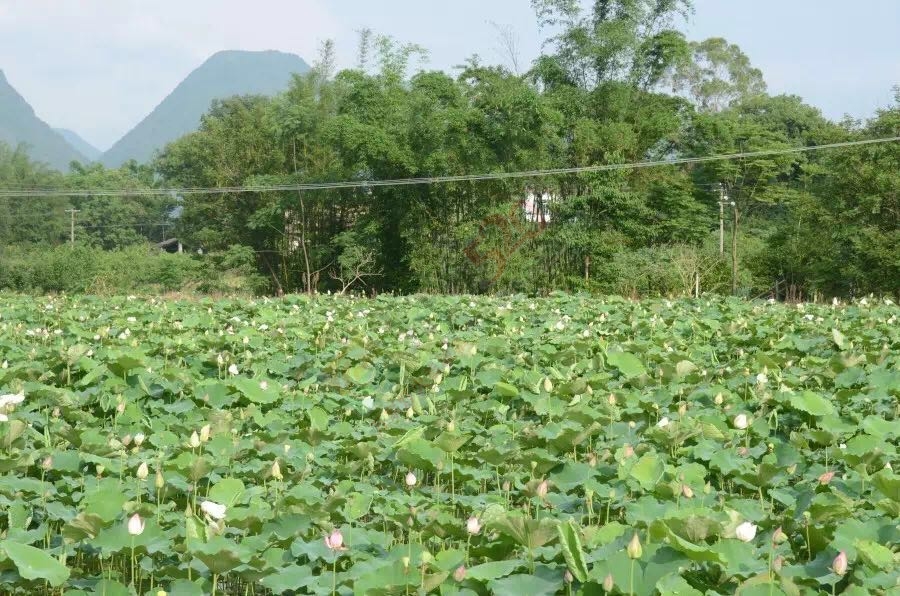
334	576
631	579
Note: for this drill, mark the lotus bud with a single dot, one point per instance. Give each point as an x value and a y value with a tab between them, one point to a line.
505	487
634	549
567	577
687	491
55	413
609	583
410	412
460	573
451	427
542	489
120	407
718	399
139	439
791	469
160	481
135	525
100	469
631	424
745	532
410	479
384	415
627	451
310	457
276	471
548	385
126	440
194	441
741	422
779	536
839	565
47	464
204	433
143	471
161	593
405	562
682	409
778	563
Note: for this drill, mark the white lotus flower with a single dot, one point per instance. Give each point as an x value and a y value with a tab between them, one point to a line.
233	369
664	422
741	422
368	403
762	379
11	399
473	526
213	509
135	525
746	532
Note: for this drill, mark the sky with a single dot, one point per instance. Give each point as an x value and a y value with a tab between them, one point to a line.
99	66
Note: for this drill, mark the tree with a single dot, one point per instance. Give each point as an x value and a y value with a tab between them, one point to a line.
716	75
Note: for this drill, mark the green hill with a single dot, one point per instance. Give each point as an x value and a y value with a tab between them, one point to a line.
20	125
223	75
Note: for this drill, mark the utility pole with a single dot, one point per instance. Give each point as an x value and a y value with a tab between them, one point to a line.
734	259
722	198
72	212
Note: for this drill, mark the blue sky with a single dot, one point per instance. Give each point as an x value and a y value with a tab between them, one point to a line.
99	66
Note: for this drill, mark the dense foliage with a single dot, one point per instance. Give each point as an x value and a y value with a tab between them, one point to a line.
618	83
453	445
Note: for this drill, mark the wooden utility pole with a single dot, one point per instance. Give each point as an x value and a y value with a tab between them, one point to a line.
734	261
72	213
722	198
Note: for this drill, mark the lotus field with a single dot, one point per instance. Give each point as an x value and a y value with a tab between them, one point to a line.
448	445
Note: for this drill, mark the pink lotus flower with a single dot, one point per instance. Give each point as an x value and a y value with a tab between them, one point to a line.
335	540
826	477
839	565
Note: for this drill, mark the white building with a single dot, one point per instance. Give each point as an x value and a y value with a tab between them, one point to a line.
537	206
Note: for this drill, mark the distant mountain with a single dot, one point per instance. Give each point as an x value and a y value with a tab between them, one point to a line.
223	75
83	147
19	124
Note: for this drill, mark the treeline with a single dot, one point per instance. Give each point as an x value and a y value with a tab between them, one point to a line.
617	84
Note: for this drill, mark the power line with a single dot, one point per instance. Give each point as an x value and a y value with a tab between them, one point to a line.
367	184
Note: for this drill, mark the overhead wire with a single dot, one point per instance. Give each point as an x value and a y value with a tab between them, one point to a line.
368	184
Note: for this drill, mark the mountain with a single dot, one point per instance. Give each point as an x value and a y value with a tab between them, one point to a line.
83	147
223	75
19	124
